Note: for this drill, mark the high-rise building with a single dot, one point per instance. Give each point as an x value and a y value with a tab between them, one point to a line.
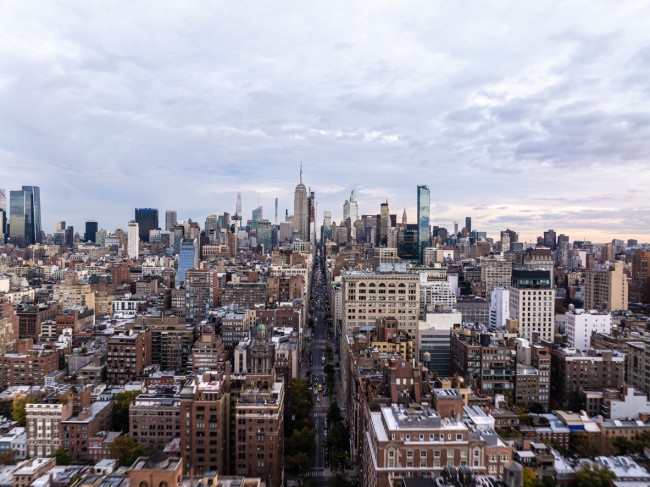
35	222
258	214
59	226
468	224
91	230
327	225
640	282
133	240
407	242
455	228
238	207
607	289
3	225
276	211
346	210
532	303
171	218
202	292
69	236
311	216
147	219
550	239
188	258
581	324
21	218
424	209
301	211
495	272
3	199
499	307
264	235
384	223
404	218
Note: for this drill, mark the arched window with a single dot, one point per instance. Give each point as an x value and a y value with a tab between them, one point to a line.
144	484
163	484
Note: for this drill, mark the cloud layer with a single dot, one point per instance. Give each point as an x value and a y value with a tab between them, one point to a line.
521	115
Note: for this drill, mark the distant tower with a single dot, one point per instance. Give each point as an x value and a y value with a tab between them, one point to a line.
354	207
238	209
276	211
133	242
468	224
301	210
404	219
171	217
455	228
424	209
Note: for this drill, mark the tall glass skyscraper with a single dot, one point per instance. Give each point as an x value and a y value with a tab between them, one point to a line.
21	205
188	258
91	231
34	220
424	209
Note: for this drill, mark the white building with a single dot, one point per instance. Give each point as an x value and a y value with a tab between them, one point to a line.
43	422
436	292
499	307
580	324
133	240
532	303
434	339
15	439
632	404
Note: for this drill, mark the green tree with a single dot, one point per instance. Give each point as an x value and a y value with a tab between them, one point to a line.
8	457
138	451
121	447
121	410
341	481
300	441
299	405
593	475
62	457
18	408
548	481
529	478
334	413
587	445
329	352
297	463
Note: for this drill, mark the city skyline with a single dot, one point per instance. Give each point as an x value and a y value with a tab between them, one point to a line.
522	116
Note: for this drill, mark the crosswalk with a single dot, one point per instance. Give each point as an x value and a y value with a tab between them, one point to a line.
315	472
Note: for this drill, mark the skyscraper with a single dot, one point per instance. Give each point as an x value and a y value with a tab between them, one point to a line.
311	216
384	223
36	228
91	230
404	218
188	258
21	218
301	210
327	225
147	219
3	199
258	214
550	240
346	210
424	209
238	208
264	235
276	211
468	224
133	240
170	220
354	207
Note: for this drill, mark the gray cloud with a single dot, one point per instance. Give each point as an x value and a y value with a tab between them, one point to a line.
518	114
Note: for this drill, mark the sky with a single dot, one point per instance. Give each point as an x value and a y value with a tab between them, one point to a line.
522	115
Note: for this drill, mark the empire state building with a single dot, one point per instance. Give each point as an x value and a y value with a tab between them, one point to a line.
301	211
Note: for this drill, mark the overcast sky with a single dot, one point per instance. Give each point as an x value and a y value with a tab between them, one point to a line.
528	115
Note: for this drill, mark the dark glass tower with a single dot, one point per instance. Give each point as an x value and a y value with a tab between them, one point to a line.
91	230
34	220
21	228
424	209
147	219
407	243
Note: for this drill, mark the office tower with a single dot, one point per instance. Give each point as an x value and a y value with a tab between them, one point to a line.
238	207
514	236
354	207
468	224
300	211
495	272
170	220
346	210
424	208
404	218
384	223
505	241
188	258
499	307
407	243
225	221
69	236
311	216
276	211
640	281
133	240
59	226
35	222
258	214
3	199
264	235
632	242
327	225
147	219
21	218
91	230
550	240
3	225
532	303
286	230
562	239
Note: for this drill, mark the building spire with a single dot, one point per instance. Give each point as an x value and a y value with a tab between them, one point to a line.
301	173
